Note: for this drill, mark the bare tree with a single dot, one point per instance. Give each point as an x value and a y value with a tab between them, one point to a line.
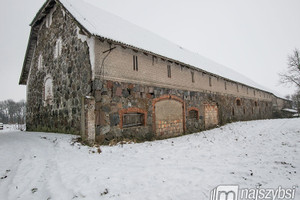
12	112
292	75
296	100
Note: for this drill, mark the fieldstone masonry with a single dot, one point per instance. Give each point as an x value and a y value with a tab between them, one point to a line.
109	100
71	73
213	109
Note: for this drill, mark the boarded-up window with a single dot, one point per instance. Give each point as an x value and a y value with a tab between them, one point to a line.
169	71
133	119
193	114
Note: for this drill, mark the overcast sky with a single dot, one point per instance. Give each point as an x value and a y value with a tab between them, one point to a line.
252	37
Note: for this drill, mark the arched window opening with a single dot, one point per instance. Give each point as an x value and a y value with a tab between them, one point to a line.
238	102
232	111
255	103
48	91
58	48
193	114
40	62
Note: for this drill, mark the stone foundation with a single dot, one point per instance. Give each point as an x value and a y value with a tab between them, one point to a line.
167	111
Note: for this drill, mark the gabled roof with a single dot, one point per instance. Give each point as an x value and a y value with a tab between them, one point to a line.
111	27
33	39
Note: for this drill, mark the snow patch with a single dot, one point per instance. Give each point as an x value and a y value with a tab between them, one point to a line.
262	153
290	110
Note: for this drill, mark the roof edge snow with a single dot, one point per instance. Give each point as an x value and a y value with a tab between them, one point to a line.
88	21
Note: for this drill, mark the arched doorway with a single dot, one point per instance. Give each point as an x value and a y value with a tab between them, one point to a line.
168	116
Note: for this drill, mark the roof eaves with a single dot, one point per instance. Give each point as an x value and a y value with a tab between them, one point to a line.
28	57
179	62
42	11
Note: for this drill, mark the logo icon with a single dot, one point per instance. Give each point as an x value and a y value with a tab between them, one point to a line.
225	192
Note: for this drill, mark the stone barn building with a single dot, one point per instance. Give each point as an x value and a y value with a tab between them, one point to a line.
92	73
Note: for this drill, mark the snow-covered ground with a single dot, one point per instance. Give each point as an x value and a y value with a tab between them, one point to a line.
46	166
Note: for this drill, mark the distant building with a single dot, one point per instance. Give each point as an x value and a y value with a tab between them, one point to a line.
288	112
89	71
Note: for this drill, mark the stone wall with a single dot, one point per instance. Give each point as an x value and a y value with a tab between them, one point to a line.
112	96
68	65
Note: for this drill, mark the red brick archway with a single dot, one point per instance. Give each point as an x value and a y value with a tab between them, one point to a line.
193	109
168	116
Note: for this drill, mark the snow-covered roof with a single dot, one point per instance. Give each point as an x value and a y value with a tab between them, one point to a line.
102	23
106	25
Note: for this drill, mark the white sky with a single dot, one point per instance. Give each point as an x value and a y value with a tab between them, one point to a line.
252	37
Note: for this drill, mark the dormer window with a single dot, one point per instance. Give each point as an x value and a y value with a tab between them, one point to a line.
58	48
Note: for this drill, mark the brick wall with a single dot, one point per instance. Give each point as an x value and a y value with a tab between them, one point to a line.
118	66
